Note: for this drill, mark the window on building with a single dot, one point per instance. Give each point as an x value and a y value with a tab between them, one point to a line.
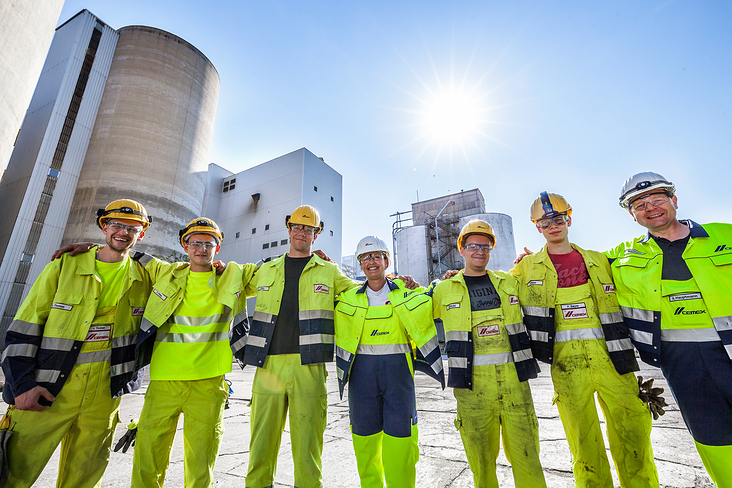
273	244
237	235
254	230
265	245
331	199
266	227
229	185
331	232
315	188
283	242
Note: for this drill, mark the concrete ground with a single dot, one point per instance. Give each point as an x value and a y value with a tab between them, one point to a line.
442	459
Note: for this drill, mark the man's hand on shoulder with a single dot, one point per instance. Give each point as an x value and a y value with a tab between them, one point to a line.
449	274
522	255
409	282
29	399
219	267
323	256
72	249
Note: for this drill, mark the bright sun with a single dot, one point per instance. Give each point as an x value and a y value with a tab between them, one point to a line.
452	117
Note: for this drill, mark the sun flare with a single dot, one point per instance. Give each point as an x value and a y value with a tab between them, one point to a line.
453	117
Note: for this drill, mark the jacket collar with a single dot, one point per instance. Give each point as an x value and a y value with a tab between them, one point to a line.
392	286
695	230
543	256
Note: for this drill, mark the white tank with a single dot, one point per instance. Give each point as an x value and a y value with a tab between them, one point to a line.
26	30
152	137
411	254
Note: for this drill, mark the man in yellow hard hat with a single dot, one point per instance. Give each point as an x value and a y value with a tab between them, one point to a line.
489	363
674	288
571	311
185	339
69	355
290	340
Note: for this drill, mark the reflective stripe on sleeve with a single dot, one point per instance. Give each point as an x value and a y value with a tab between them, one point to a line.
94	357
460	363
535	311
46	375
263	317
315	314
618	345
611	318
343	354
310	339
514	329
540	336
119	369
25	328
57	344
642	337
723	323
20	350
256	341
456	335
638	314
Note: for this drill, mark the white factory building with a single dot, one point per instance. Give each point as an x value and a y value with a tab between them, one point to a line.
129	113
251	206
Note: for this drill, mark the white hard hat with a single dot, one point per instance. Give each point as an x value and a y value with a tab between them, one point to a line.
641	183
371	244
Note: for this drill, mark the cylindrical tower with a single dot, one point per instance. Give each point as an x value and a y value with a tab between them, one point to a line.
26	30
152	137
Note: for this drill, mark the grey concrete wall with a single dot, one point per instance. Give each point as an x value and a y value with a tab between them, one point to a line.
465	203
26	30
152	137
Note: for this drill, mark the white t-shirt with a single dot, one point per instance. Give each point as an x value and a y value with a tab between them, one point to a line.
378	297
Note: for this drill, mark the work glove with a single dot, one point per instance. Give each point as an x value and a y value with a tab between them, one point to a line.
651	397
128	439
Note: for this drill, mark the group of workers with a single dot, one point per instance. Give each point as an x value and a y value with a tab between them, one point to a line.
92	320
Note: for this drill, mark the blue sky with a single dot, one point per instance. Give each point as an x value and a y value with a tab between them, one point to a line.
571	97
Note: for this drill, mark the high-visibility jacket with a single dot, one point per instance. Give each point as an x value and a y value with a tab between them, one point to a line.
451	303
637	266
169	284
320	282
44	340
537	293
414	310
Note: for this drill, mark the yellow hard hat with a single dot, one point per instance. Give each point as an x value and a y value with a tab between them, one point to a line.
475	226
201	225
549	205
305	215
124	209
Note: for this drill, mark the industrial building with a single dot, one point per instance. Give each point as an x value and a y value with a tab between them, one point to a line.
26	30
251	206
425	238
125	113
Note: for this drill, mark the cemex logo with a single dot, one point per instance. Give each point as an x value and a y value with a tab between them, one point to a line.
376	332
683	311
723	247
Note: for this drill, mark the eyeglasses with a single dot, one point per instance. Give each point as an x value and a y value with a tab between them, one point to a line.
196	245
559	220
479	247
296	228
132	230
371	257
657	200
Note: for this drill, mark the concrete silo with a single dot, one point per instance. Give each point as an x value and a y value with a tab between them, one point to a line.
26	30
152	137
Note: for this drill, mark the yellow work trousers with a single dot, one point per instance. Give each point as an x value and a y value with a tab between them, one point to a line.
202	404
82	420
285	384
580	369
499	405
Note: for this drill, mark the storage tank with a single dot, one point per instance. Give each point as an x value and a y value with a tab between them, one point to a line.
152	138
26	30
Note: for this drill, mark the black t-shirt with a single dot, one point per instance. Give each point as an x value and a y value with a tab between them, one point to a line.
483	295
286	335
674	266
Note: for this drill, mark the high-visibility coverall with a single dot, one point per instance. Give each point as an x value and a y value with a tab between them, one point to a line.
573	329
74	335
185	339
489	361
685	327
294	382
374	353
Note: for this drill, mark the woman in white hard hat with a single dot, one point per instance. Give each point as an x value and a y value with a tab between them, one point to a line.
383	332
